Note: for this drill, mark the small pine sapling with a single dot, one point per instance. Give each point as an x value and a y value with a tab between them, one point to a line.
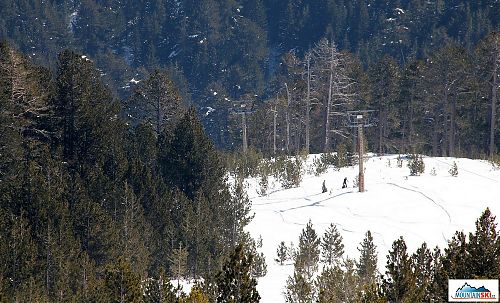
264	172
416	165
291	251
433	172
332	247
282	253
399	161
263	185
454	169
355	182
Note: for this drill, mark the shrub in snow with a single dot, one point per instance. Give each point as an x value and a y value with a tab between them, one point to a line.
399	161
324	162
291	173
264	171
259	266
355	182
343	156
454	169
433	171
291	252
245	165
263	185
495	161
416	165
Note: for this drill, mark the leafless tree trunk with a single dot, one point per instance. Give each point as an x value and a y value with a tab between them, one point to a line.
308	102
494	88
275	115
452	132
332	64
288	98
244	127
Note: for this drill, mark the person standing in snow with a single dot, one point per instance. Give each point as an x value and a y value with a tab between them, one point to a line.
344	185
323	188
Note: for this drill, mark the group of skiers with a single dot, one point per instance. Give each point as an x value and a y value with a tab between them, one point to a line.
324	189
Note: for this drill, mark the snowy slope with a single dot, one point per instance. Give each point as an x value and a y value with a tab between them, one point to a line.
422	208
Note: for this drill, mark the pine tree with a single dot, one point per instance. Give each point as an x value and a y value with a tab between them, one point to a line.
488	55
178	266
339	283
282	253
298	289
196	296
157	102
234	282
332	247
307	257
159	290
416	165
330	286
384	91
399	281
135	232
454	169
121	284
483	249
423	267
259	266
367	265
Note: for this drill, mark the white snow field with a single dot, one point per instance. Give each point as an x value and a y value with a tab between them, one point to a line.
427	208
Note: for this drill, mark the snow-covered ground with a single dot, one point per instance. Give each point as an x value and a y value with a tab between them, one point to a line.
427	208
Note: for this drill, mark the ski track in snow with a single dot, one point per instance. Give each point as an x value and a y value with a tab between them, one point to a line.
426	196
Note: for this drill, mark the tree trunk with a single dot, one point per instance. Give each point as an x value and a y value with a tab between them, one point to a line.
410	127
275	114
435	135
328	108
287	119
451	134
308	105
244	126
158	116
381	131
494	87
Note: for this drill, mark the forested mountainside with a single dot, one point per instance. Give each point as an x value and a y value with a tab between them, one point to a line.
93	209
220	52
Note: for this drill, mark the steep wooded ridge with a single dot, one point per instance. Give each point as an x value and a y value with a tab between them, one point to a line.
222	51
93	209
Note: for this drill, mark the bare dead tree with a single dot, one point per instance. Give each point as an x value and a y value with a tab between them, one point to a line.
292	86
331	64
28	95
287	114
309	76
